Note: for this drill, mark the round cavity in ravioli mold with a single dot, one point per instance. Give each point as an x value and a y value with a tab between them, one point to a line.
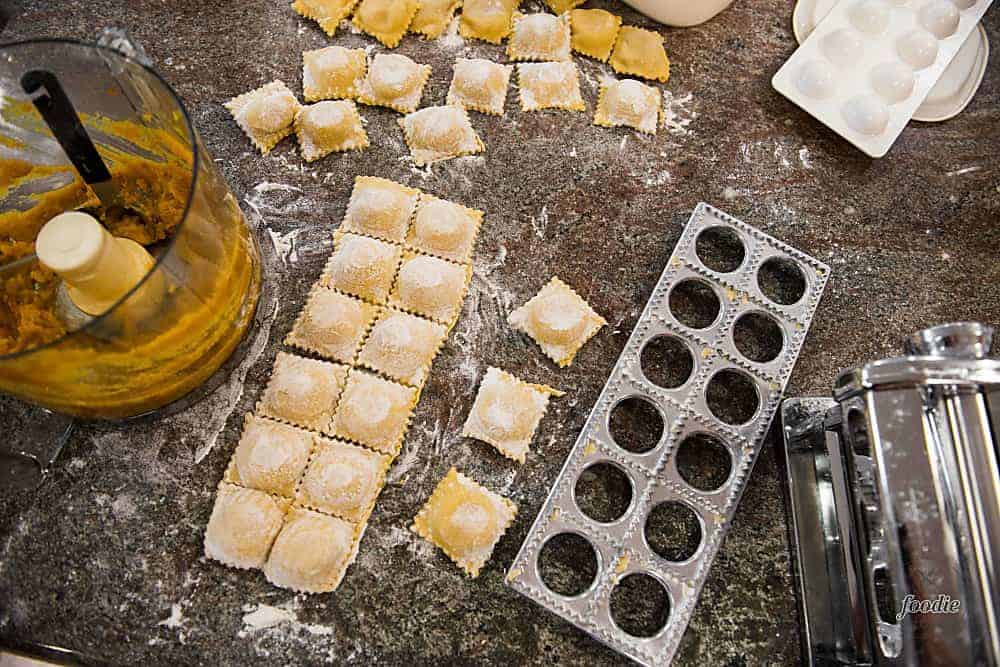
866	114
603	492
720	249
817	79
666	361
703	461
870	16
732	397
636	425
567	564
640	605
781	280
694	303
673	531
893	81
917	48
843	47
940	18
758	337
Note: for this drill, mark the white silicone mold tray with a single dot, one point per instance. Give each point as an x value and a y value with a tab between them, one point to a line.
869	64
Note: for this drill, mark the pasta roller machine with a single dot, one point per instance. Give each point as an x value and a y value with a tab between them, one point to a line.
895	498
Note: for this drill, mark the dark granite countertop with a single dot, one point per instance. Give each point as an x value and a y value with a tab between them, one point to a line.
106	557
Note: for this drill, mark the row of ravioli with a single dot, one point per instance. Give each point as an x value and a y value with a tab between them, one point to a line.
312	459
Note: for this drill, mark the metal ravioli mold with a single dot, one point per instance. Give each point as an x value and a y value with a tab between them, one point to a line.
761	281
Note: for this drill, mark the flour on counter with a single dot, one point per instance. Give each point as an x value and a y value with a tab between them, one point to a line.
176	618
677	113
263	616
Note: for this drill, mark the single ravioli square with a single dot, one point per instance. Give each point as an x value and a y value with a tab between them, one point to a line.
594	32
488	20
433	17
332	73
266	115
332	325
559	320
327	13
385	20
243	526
540	36
374	412
343	480
506	413
628	103
380	208
431	287
361	266
312	552
561	6
480	85
402	346
394	81
439	133
329	127
640	53
270	456
553	85
302	391
465	520
444	229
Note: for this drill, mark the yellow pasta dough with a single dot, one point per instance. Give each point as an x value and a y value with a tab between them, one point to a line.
594	32
444	229
507	412
394	81
629	103
328	127
332	73
385	20
374	412
312	552
439	133
380	208
431	287
302	391
479	85
343	480
539	36
561	6
402	346
243	526
488	20
332	325
362	266
559	320
266	115
327	13
270	456
549	86
640	53
433	17
465	520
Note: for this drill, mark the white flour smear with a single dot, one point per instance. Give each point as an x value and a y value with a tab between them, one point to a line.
260	617
677	113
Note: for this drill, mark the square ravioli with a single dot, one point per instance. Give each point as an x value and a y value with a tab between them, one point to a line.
343	480
628	103
327	13
465	520
362	266
507	412
312	552
431	287
380	208
540	36
385	20
561	6
332	73
433	17
374	412
549	86
594	32
394	81
439	133
302	391
270	456
488	20
329	127
332	325
559	320
480	85
444	229
266	115
243	526
402	346
640	53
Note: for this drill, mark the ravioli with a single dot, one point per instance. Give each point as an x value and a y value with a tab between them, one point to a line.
385	20
266	115
540	36
327	13
374	412
302	391
439	133
402	346
243	526
559	320
394	81
329	127
465	520
562	6
332	73
332	325
628	103
380	208
433	17
361	266
312	552
488	20
506	413
431	287
343	480
444	229
594	32
270	456
480	85
640	53
554	85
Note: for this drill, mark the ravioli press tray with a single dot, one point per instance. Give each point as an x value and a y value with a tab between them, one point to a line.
621	547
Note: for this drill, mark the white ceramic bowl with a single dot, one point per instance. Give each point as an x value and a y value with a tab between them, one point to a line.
680	13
